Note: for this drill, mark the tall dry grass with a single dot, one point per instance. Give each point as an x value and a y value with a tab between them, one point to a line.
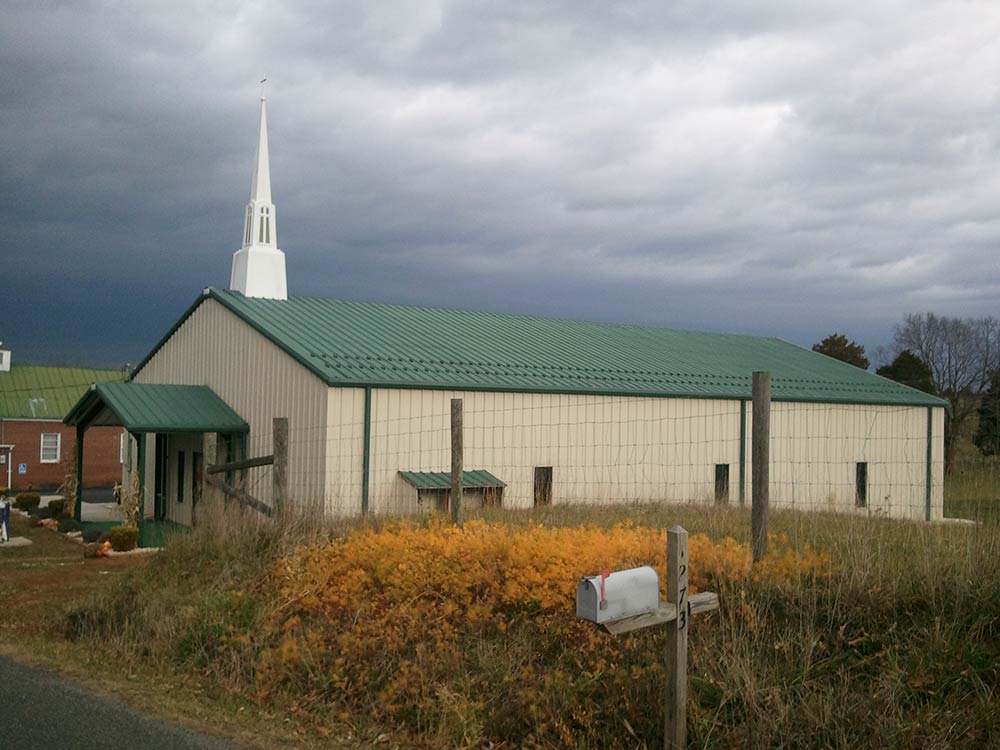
899	647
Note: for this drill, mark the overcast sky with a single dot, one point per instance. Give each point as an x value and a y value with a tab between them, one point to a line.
783	168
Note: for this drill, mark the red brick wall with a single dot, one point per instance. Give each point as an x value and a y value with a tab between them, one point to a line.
101	467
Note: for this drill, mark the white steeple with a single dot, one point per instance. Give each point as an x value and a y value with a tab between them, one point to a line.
259	266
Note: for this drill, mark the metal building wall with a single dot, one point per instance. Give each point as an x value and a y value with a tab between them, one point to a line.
602	449
259	381
344	446
622	449
815	449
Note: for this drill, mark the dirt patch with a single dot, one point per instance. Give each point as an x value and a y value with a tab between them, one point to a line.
39	582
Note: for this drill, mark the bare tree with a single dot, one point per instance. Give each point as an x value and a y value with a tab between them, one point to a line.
962	354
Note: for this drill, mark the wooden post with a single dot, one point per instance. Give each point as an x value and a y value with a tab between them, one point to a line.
761	459
279	471
209	452
78	508
456	462
675	613
675	714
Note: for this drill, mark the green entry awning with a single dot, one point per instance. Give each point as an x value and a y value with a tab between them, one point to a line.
441	480
146	407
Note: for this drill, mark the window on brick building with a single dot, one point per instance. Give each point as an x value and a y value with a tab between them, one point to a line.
51	448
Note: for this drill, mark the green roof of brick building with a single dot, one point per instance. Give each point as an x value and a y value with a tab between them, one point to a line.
43	392
396	346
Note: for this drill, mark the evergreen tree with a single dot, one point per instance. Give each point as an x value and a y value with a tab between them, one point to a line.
837	346
907	368
988	433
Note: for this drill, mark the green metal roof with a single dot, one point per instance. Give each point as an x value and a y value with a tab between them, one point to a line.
43	392
441	480
143	407
395	346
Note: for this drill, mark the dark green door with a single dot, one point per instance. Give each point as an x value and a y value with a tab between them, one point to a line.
160	479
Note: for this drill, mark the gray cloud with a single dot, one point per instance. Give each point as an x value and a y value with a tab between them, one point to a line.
781	168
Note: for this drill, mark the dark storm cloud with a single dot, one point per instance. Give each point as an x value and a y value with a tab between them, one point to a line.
783	168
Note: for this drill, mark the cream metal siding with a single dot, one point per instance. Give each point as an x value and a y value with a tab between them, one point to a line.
621	449
815	449
937	466
344	445
259	381
601	449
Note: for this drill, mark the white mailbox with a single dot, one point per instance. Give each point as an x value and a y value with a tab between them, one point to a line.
613	596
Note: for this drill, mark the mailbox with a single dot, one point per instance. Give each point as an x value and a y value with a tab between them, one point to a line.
613	596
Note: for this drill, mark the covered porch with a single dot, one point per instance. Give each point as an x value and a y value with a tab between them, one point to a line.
167	425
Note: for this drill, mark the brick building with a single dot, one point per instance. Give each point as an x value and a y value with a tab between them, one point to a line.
36	448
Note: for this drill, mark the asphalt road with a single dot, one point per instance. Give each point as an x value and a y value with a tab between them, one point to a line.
41	710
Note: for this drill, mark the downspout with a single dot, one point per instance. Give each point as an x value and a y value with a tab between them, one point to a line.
366	451
743	453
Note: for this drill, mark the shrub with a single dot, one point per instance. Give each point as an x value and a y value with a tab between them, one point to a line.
67	525
92	535
56	507
123	538
4	491
420	625
26	501
43	513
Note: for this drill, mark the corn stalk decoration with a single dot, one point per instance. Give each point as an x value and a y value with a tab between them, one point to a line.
71	483
130	502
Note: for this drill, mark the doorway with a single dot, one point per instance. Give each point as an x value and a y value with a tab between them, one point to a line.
543	485
722	484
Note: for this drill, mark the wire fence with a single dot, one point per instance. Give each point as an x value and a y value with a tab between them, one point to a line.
547	448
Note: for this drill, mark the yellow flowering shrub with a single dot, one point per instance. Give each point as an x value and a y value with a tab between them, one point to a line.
444	630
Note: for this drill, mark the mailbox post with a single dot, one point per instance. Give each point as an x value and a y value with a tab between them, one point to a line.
629	600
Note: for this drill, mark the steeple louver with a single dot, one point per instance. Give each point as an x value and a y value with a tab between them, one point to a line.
259	266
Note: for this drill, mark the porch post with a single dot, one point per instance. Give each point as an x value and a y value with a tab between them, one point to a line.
78	509
140	439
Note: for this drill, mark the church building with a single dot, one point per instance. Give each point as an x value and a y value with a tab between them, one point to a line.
555	411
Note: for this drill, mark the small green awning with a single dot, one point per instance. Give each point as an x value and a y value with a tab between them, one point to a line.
441	480
146	407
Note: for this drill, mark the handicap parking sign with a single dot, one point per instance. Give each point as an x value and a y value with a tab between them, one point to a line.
22	468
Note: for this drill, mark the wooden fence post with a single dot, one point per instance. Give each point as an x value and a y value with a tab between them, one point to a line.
279	471
675	713
456	462
209	450
761	460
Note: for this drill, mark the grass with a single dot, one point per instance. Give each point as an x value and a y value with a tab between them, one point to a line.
899	648
972	490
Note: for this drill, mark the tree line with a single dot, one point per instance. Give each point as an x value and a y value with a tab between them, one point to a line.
957	359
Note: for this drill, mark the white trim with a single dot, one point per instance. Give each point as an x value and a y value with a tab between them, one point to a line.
41	448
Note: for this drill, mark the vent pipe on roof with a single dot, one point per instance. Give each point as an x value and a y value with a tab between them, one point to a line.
4	358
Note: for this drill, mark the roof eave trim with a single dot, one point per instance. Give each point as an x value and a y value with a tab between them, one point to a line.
928	400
